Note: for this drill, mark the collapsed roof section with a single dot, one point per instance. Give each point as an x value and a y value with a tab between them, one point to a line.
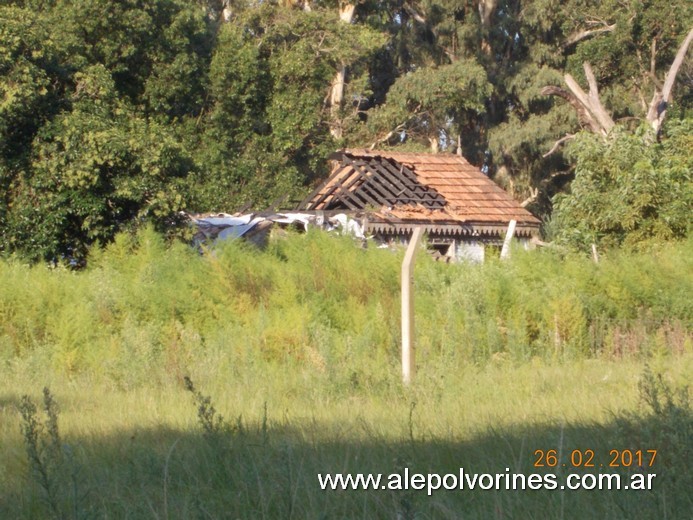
255	227
441	192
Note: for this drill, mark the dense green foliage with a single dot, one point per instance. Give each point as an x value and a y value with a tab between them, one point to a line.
629	190
115	116
119	112
115	113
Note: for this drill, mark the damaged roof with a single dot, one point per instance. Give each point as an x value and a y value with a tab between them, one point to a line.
441	191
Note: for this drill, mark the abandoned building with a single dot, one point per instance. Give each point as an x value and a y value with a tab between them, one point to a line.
463	212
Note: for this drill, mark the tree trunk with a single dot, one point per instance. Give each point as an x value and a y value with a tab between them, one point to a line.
346	15
336	100
346	12
486	9
226	12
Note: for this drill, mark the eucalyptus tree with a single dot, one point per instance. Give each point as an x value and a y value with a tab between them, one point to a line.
632	168
622	50
273	109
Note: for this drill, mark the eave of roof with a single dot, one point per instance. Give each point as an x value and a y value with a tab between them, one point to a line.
447	229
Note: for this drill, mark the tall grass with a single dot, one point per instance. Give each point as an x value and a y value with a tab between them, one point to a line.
294	356
143	309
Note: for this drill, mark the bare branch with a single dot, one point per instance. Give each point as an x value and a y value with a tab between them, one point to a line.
658	105
576	89
595	105
591	81
589	107
533	196
414	13
387	136
674	69
582	35
564	173
558	143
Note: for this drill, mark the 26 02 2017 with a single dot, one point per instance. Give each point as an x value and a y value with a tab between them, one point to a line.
588	458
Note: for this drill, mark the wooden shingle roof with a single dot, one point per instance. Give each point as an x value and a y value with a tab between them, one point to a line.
441	189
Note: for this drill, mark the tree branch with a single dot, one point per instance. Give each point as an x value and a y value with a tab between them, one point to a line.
558	143
589	107
595	105
670	78
660	100
586	119
387	136
533	196
582	35
414	13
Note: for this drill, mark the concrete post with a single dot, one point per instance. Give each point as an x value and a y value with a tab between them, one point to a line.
505	252
408	366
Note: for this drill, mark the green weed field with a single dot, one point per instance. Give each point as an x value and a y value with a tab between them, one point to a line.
293	354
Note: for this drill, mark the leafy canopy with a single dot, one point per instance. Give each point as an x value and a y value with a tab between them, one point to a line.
628	190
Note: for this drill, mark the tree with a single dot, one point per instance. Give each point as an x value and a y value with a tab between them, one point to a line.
95	169
629	46
596	118
90	143
628	190
29	72
155	50
31	85
270	86
112	113
430	104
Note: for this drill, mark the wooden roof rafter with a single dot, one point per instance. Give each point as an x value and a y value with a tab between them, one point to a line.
410	189
359	183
